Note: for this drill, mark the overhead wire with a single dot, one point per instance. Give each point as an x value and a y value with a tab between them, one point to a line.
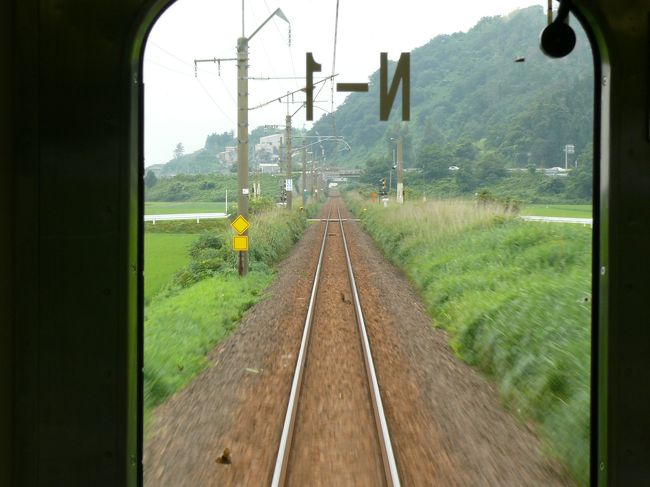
169	53
266	54
149	60
279	98
215	103
225	86
293	67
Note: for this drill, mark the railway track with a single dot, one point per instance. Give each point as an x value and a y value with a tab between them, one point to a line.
335	431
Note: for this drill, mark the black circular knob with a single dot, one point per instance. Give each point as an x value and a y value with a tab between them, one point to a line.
557	40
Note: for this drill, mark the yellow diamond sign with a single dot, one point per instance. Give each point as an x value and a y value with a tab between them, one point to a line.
240	224
240	243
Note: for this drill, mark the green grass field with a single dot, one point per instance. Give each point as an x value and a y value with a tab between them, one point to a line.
571	211
164	254
175	207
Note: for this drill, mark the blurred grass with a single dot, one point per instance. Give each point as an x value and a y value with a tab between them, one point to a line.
181	328
164	255
515	297
175	207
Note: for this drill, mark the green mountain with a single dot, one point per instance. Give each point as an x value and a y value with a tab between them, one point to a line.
466	88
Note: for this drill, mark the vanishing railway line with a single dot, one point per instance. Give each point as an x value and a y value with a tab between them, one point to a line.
335	430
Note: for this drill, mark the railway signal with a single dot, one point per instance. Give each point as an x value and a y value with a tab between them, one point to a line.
240	241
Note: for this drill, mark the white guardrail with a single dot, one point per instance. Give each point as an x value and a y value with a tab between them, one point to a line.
205	216
558	219
184	216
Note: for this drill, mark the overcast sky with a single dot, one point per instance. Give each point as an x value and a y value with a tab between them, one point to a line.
180	107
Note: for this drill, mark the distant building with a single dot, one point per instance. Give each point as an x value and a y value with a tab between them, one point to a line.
269	148
270	168
229	155
269	142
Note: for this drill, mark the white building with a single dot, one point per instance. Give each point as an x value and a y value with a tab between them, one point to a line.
229	155
269	168
270	144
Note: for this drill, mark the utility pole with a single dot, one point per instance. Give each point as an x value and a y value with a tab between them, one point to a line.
242	122
242	140
568	149
288	184
303	186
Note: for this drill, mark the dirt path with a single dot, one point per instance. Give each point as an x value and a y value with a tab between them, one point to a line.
445	420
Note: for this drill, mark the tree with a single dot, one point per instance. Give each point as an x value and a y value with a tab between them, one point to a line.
466	179
490	169
150	179
376	168
435	161
179	151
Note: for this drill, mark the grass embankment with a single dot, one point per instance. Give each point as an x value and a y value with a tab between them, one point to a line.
515	298
204	299
176	207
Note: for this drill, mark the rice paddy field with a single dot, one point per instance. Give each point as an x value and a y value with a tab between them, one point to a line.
176	207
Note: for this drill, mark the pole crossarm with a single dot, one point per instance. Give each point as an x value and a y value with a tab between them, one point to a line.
218	61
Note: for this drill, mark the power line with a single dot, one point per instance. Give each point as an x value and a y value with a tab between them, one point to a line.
149	60
293	68
279	98
232	98
169	53
215	103
257	78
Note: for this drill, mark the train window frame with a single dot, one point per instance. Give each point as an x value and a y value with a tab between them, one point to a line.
135	432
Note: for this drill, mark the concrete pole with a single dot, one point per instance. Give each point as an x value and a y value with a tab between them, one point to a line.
303	186
242	140
400	171
288	136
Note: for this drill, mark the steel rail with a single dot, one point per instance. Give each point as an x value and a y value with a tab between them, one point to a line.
390	466
282	459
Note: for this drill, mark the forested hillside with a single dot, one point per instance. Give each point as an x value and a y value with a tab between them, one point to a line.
202	161
467	90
